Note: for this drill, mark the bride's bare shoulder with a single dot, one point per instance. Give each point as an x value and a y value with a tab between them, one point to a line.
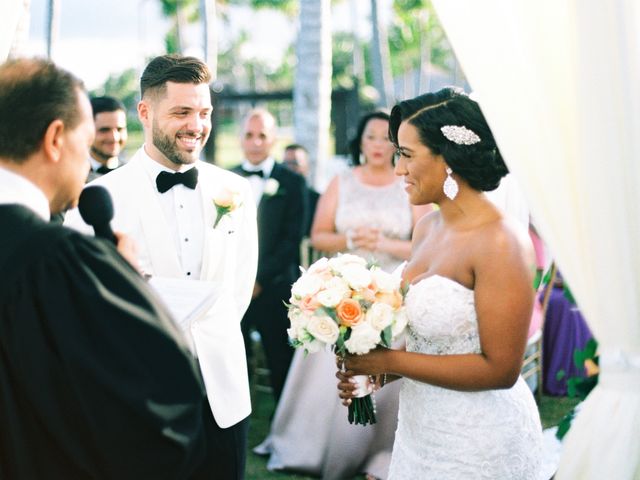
425	224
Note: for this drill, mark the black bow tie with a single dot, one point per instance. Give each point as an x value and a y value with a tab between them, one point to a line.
103	170
165	180
248	173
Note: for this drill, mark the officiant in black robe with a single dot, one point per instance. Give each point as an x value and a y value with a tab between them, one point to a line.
95	381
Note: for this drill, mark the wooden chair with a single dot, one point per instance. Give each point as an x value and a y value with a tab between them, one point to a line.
532	363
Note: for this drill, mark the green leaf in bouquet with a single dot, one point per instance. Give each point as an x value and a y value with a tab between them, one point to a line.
329	312
340	347
386	337
404	288
372	263
560	374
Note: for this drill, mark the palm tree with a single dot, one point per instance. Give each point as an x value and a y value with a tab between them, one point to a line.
312	83
210	34
380	63
53	26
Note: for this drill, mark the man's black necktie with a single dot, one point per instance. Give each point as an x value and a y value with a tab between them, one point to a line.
248	173
103	170
165	180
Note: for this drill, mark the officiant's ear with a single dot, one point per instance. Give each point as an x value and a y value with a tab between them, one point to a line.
53	140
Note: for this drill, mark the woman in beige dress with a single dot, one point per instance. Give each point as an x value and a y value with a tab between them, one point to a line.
364	211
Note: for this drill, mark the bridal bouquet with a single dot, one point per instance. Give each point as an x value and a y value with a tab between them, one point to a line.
352	307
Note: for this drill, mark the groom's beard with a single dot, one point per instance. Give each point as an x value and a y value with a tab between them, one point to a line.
169	147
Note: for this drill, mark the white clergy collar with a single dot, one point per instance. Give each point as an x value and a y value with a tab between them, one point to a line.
15	188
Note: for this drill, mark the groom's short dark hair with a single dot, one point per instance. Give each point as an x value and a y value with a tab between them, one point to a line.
172	68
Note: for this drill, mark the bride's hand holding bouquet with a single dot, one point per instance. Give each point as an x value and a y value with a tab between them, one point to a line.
353	308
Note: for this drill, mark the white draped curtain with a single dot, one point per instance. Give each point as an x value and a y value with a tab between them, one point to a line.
559	81
10	11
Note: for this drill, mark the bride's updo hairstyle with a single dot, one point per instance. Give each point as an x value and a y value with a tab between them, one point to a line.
480	163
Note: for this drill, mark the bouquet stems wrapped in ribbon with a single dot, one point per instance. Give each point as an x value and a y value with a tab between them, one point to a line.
352	307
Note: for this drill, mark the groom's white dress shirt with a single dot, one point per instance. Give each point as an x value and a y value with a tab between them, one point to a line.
175	238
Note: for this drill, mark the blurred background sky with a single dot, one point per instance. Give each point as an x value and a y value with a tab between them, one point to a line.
98	38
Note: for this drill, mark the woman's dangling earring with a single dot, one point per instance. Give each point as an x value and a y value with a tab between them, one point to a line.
450	186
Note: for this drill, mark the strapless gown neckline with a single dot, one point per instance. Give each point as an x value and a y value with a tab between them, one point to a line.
448	434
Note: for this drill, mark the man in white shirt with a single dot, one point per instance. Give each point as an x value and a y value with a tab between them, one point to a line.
193	221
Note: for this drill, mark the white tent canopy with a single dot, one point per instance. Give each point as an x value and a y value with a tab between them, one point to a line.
559	81
10	11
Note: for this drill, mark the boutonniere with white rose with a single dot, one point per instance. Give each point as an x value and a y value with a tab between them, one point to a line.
225	201
271	187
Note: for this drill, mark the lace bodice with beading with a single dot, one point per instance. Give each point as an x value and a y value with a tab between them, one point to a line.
448	434
385	207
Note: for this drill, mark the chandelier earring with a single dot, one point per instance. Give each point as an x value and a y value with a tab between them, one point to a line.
450	186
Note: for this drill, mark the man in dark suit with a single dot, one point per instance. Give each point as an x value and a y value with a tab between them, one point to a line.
281	198
110	118
296	157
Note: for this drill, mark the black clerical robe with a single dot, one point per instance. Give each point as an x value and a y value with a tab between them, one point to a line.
95	382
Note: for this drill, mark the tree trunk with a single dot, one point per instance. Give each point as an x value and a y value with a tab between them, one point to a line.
210	35
53	26
312	84
358	60
380	63
180	27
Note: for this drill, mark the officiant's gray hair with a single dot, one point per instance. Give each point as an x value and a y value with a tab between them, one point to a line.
172	68
33	93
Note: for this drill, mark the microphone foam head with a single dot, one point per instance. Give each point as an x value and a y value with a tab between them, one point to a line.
95	205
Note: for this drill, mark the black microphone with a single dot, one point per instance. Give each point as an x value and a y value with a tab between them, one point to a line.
96	209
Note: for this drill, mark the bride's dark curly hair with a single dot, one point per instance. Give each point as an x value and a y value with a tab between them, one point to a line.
480	164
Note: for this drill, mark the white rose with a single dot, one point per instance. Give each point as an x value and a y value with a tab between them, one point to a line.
323	328
298	323
271	186
320	265
380	316
341	261
357	276
363	339
385	282
330	297
400	321
306	285
313	346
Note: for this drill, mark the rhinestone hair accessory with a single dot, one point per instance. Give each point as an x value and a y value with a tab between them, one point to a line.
460	135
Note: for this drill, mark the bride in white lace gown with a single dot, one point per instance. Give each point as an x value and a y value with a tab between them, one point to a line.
465	412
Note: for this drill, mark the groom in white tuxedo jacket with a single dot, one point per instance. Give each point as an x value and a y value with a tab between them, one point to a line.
164	198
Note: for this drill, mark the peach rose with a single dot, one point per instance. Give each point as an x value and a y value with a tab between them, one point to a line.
225	198
393	299
309	303
368	293
349	312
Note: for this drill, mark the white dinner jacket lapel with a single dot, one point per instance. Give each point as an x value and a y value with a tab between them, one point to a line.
161	250
213	243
